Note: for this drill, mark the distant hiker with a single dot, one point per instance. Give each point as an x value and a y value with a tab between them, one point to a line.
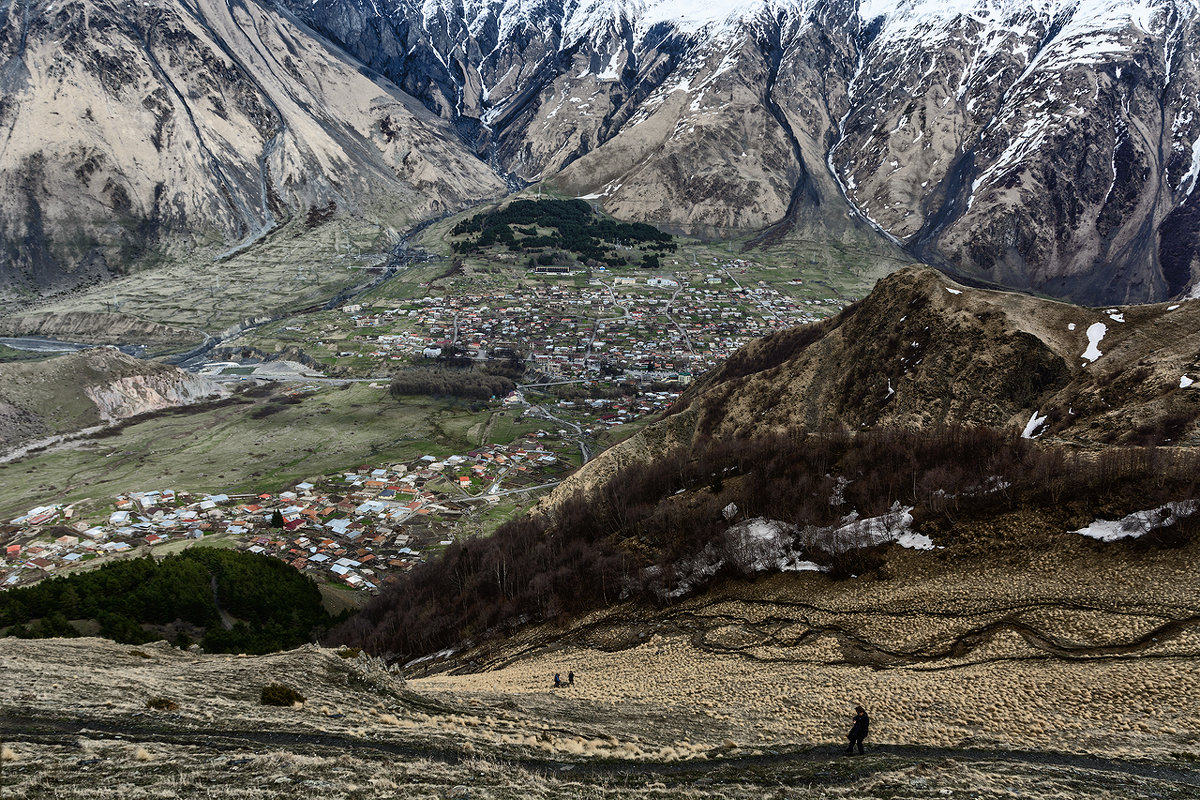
858	731
570	679
557	681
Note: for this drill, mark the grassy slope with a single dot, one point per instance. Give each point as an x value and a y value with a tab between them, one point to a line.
227	449
293	267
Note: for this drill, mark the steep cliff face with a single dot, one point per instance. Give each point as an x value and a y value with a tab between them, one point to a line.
138	394
1048	146
92	387
134	128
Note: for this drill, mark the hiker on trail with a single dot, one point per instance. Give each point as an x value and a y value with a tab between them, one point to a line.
858	731
557	681
570	679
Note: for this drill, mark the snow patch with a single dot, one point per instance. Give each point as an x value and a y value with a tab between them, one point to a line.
1031	427
1095	334
1139	522
894	526
1070	326
762	545
1185	382
1193	171
953	291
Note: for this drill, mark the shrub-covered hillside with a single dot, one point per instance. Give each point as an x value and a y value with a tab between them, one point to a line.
662	529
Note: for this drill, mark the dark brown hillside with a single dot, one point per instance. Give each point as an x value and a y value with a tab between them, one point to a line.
911	354
922	350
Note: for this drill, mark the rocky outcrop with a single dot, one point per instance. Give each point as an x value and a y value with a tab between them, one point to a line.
133	395
89	388
1049	148
137	131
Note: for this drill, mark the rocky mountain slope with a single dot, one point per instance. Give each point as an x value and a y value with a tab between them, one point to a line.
134	131
1050	145
101	328
92	387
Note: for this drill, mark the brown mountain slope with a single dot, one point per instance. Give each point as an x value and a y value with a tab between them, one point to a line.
922	350
129	133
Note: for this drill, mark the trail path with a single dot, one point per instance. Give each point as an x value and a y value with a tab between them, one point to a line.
48	730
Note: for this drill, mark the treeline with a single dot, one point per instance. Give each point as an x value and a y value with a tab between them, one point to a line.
574	227
635	534
442	382
138	600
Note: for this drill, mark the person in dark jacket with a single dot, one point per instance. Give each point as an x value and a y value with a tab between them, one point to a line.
858	731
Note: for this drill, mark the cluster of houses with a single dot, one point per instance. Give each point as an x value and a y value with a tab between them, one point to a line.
608	413
644	327
356	528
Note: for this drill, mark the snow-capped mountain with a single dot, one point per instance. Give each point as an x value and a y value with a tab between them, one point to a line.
1052	145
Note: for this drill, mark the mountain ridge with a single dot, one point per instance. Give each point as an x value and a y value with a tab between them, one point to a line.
923	351
1011	179
1052	147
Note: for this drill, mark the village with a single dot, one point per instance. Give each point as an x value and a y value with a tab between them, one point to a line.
598	350
602	325
357	529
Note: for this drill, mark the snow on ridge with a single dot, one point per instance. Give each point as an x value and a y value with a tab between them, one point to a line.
582	18
1095	32
903	16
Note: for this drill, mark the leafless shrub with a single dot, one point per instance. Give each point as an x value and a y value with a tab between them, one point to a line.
159	703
